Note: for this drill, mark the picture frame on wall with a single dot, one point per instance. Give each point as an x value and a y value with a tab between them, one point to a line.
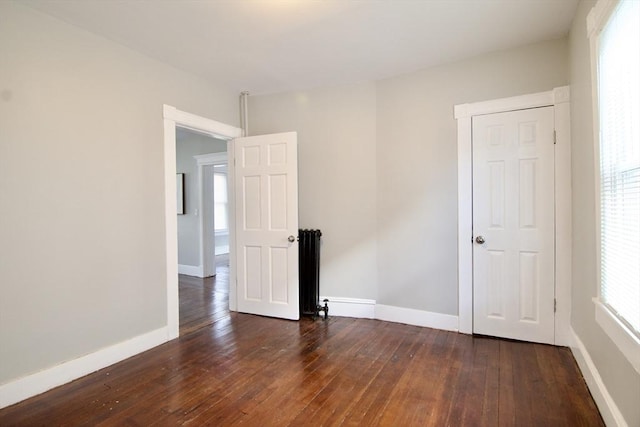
180	193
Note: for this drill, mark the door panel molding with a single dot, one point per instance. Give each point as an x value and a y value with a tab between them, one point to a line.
559	98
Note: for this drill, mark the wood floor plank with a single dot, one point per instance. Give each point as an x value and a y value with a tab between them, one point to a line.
491	394
349	384
445	364
406	400
316	386
265	382
475	389
384	409
506	403
523	384
237	369
462	396
239	382
374	387
285	390
357	384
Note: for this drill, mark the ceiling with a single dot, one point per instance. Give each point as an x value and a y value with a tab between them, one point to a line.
266	46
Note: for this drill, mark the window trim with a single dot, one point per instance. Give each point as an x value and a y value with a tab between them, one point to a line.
626	341
619	333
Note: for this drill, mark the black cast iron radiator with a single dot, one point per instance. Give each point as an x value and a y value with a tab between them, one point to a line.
309	271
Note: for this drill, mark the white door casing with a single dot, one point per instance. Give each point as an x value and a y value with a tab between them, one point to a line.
266	192
513	225
559	99
172	118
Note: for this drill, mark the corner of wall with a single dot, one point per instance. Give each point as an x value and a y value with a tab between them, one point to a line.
607	406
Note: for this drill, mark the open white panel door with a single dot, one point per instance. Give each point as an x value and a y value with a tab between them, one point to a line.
266	183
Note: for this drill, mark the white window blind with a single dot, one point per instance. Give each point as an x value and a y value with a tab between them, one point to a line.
619	121
221	219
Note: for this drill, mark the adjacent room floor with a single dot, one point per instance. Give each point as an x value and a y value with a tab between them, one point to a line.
239	369
204	301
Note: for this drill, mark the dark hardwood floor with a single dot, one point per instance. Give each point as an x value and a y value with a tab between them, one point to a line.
204	301
238	369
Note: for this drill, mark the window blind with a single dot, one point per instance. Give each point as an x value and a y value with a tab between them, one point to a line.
220	202
619	120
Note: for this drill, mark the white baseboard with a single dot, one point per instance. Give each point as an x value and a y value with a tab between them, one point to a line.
368	309
350	307
608	408
39	382
414	317
191	270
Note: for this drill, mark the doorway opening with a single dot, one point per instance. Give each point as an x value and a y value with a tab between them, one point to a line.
203	229
175	121
213	203
196	156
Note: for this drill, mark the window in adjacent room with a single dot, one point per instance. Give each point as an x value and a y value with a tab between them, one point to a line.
221	220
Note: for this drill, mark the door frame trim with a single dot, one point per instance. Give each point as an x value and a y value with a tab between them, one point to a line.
559	98
172	118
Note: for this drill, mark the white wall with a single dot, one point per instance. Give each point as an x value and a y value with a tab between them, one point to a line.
222	242
82	244
189	144
619	377
417	165
337	179
378	170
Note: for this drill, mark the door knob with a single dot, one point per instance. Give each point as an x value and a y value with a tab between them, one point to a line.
291	239
479	240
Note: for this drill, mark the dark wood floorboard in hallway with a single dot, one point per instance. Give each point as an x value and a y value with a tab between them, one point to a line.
239	369
204	301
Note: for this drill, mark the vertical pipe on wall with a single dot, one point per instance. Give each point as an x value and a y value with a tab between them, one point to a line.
244	113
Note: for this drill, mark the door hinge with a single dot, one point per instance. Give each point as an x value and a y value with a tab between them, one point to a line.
555	138
555	305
